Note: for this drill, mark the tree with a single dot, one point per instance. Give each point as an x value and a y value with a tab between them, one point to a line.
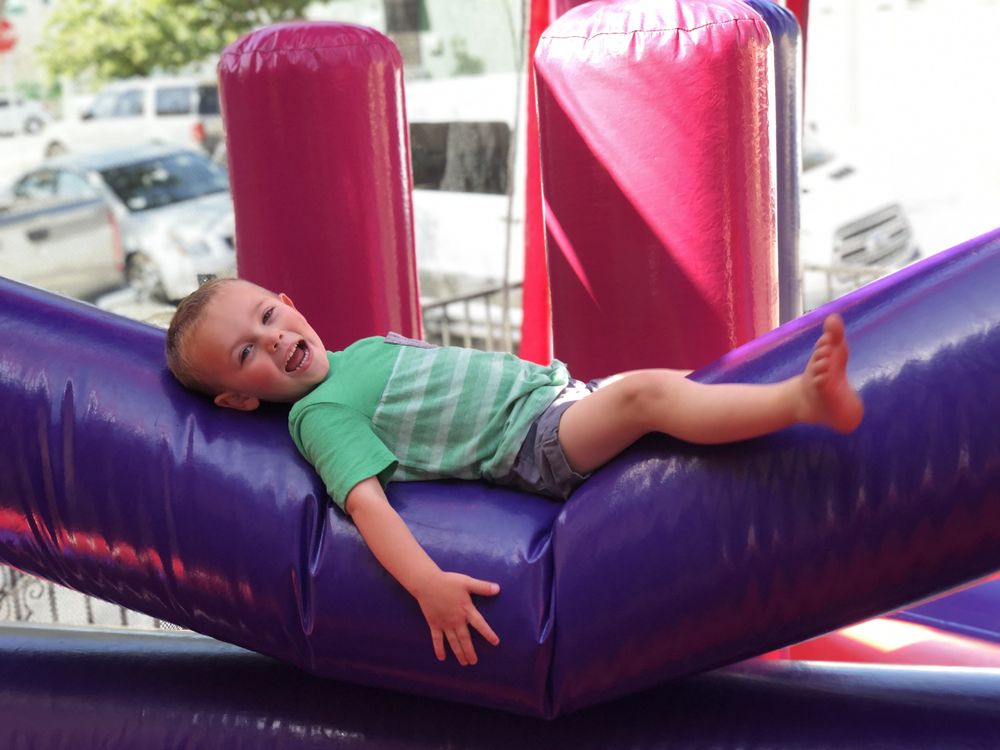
106	39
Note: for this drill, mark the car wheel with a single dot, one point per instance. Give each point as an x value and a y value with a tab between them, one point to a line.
142	275
55	149
33	125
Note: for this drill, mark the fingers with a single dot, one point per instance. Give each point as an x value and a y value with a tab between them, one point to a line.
461	643
460	640
437	637
482	588
477	621
449	617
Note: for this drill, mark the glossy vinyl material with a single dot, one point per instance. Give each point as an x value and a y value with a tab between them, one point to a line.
701	556
888	640
656	171
65	690
973	612
319	164
787	67
670	560
117	482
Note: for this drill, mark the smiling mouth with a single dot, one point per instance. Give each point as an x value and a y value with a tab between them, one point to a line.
298	357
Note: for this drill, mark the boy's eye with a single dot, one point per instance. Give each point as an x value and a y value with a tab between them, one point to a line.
267	314
244	353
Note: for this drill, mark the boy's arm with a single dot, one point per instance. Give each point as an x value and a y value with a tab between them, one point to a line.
444	597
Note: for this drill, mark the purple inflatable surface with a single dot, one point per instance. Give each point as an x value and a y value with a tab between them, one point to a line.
65	690
670	560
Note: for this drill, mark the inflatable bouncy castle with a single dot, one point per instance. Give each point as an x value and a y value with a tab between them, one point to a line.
627	613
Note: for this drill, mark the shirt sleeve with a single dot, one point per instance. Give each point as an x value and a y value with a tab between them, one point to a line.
343	448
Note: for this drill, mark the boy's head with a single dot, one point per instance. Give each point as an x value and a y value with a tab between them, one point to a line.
243	344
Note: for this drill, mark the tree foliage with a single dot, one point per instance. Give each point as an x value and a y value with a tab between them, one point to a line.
104	39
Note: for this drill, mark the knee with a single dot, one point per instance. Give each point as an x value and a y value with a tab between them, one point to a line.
643	396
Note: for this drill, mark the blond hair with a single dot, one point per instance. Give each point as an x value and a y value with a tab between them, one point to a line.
189	315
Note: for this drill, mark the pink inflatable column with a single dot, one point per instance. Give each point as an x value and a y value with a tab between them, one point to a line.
320	171
656	167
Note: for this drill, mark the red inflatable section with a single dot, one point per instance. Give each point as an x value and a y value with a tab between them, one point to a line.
887	641
656	169
320	172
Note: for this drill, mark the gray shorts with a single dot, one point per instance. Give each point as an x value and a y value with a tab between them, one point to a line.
541	466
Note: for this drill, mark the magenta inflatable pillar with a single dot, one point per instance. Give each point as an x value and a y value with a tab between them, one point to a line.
319	164
656	166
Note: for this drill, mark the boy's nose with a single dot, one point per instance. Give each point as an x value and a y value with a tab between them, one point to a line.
275	340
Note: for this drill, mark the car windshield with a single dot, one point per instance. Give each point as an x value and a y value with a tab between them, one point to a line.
165	180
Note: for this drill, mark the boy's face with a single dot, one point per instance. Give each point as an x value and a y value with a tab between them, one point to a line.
252	346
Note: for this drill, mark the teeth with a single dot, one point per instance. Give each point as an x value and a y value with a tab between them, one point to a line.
305	358
291	353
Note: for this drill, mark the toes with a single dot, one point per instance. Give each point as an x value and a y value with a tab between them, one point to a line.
821	358
833	326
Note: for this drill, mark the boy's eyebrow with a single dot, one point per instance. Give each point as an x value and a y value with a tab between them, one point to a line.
255	312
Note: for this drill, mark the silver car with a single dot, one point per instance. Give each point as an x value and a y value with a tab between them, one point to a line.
58	232
171	207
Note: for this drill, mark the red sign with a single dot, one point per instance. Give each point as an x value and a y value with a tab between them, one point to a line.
7	36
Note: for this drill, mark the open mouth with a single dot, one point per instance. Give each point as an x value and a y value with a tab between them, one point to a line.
298	357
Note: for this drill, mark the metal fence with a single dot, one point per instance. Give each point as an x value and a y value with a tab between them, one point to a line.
839	280
25	598
488	319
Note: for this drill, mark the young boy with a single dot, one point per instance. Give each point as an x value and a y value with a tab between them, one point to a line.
394	408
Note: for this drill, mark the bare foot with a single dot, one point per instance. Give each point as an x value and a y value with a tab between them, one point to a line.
829	398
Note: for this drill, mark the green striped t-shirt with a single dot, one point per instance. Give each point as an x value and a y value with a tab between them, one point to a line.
402	412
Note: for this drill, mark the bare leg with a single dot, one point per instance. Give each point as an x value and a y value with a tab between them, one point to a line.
596	428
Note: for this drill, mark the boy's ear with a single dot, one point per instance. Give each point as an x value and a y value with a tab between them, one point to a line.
286	299
238	401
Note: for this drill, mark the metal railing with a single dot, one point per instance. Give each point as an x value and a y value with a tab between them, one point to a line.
25	598
488	319
840	279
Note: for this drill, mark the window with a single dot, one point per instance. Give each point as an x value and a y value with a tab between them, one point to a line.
462	157
169	179
129	104
405	15
72	186
404	20
37	185
174	100
104	105
208	100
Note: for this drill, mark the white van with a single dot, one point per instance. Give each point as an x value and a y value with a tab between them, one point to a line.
468	204
175	111
852	228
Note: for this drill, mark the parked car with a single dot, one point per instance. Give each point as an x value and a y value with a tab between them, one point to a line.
852	228
58	232
171	213
178	111
19	115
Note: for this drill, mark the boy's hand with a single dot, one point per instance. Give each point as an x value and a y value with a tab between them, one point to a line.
444	598
446	602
